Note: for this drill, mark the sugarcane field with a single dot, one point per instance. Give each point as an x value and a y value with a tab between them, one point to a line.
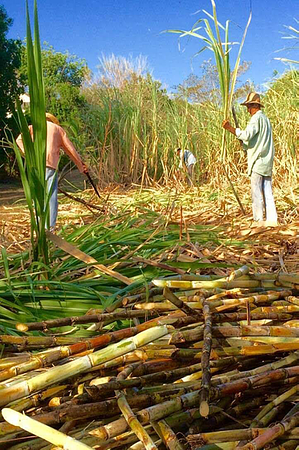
149	264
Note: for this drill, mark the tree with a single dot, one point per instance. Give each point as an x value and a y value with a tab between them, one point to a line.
10	61
10	83
206	88
64	74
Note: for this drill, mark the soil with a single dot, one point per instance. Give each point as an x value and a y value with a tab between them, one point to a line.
14	215
274	249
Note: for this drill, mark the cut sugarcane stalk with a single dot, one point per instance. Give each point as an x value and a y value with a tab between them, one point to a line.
44	431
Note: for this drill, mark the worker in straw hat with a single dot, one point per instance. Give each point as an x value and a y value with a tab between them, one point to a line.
258	142
56	139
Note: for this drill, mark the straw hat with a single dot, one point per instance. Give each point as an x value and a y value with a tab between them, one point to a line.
52	118
251	98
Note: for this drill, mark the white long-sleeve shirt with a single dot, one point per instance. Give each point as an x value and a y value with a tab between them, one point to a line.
258	141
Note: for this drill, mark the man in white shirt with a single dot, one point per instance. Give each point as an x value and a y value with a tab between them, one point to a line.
189	160
258	142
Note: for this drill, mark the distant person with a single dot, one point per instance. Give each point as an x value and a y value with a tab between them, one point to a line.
56	139
258	142
188	159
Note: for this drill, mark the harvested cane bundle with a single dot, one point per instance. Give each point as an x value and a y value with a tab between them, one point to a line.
243	376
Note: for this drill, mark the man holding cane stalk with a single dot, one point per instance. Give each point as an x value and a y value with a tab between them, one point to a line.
257	140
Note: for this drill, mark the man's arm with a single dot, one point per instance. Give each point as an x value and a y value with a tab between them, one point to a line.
227	126
244	135
70	150
19	141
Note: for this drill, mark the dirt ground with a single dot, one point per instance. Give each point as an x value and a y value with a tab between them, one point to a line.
273	249
14	215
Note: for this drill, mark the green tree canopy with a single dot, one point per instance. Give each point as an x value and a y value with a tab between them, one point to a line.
64	74
10	61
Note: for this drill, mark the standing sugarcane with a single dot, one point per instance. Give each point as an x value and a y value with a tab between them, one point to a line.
227	79
205	361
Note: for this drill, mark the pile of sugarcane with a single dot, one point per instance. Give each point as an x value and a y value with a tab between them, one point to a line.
204	362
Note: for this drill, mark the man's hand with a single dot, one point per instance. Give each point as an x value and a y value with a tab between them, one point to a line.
227	126
85	168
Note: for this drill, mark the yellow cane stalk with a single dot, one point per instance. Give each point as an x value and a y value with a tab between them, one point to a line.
44	431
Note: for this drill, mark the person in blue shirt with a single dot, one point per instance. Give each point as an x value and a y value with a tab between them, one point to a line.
188	159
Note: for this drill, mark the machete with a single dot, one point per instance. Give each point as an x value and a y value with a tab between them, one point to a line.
237	126
93	185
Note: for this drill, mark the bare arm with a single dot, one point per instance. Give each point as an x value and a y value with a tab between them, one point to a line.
70	150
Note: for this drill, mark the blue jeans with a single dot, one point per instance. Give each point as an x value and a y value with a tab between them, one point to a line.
262	198
52	185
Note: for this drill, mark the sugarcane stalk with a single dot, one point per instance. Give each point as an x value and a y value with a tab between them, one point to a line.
276	309
222	413
239	317
165	306
22	343
35	400
98	391
112	429
205	361
106	388
220	446
78	409
272	433
179	303
41	430
270	415
133	422
281	398
169	437
262	298
288	360
221	283
72	321
57	374
291	444
224	436
196	334
292	299
120	425
46	358
130	417
244	270
223	390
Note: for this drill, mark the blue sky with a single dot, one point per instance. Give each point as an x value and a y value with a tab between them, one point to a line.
90	28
